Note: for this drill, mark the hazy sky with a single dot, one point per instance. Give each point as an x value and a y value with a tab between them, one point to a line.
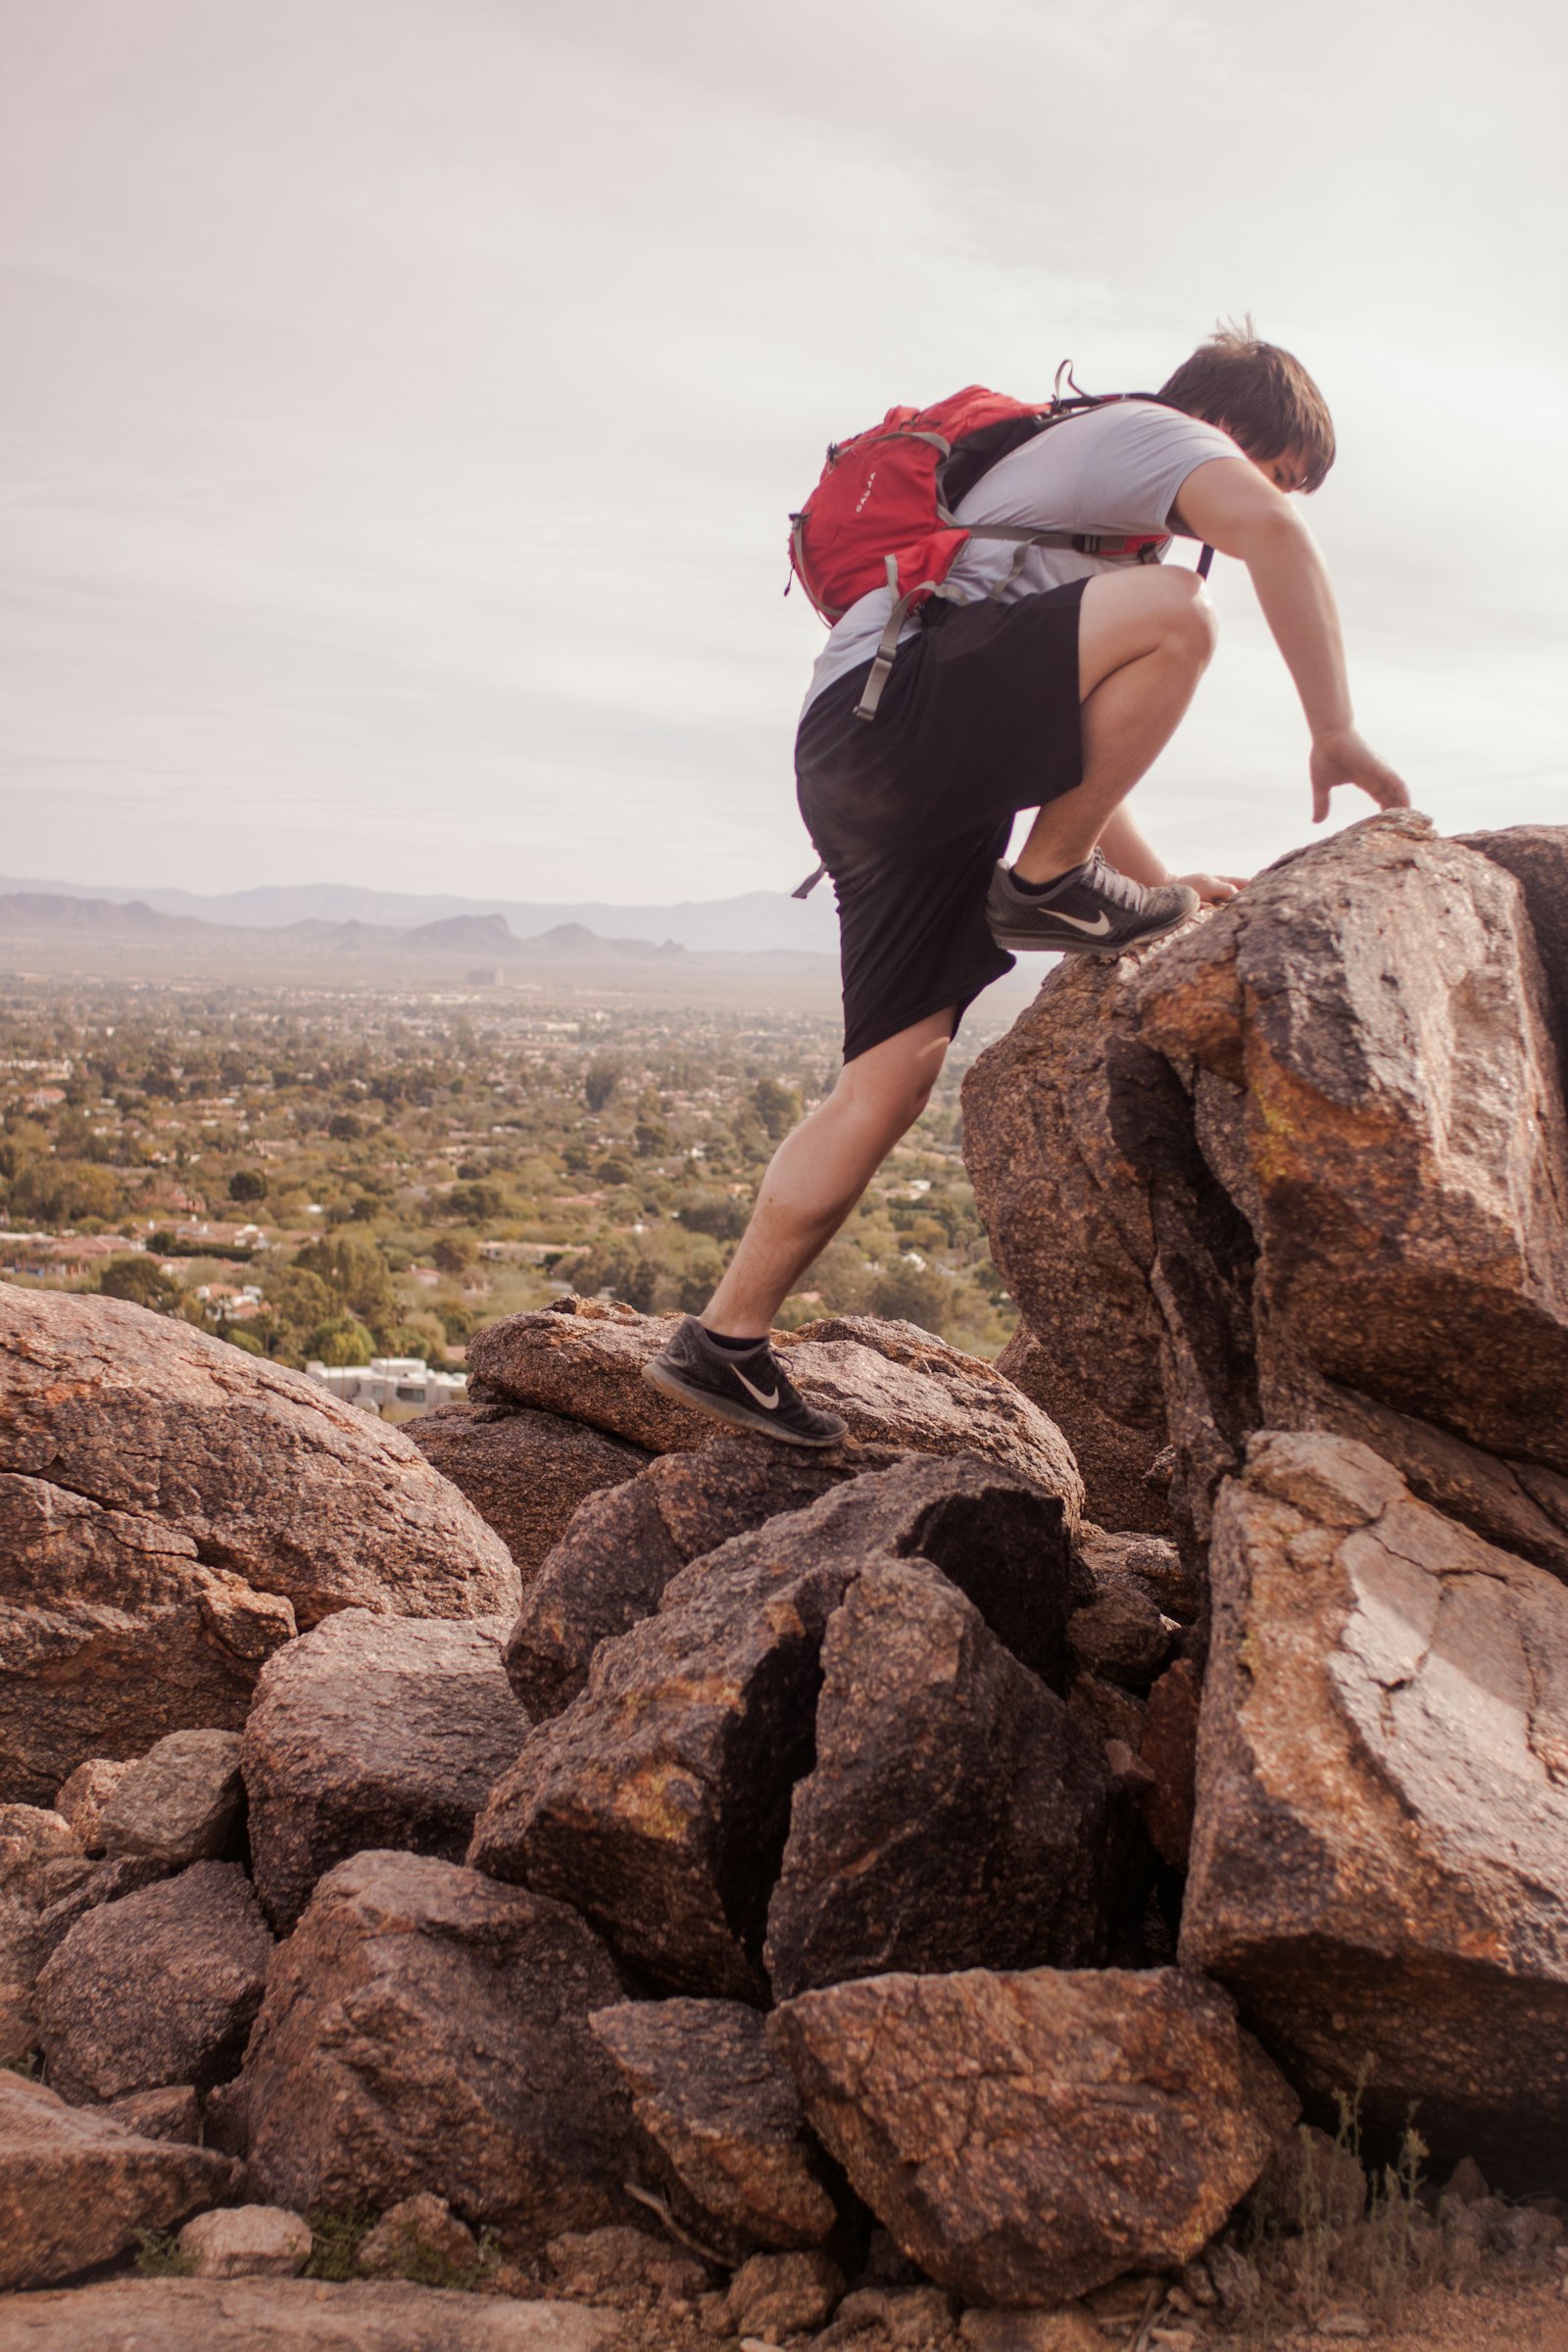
401	399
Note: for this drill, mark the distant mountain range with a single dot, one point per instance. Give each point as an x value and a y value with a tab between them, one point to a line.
761	920
477	938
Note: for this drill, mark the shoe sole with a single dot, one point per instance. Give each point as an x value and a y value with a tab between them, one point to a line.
739	1416
1031	943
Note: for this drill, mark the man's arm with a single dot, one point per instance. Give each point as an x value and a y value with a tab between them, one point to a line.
1231	505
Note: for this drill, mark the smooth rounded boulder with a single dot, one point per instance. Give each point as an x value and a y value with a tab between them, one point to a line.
171	1511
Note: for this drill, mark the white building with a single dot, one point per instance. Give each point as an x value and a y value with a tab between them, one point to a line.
390	1380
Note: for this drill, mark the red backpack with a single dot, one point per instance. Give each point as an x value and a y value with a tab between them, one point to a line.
882	514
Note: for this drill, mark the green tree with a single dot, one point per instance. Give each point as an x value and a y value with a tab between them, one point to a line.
910	1293
142	1281
600	1078
777	1106
476	1204
454	1253
355	1273
247	1186
341	1340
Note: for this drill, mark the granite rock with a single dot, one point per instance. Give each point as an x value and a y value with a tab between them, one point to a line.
77	2187
171	1511
525	1473
954	1815
1026	2138
425	2029
373	1731
1380	1863
657	1803
299	2315
84	1795
733	2151
157	1988
181	1802
246	2242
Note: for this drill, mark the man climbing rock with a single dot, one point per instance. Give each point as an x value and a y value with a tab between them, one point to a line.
1046	670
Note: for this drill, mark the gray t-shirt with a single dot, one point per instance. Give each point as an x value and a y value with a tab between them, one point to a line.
1117	470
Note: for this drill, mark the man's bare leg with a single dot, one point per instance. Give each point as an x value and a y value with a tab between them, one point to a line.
820	1170
1144	639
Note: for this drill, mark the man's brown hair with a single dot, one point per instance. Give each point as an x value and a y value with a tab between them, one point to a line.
1260	395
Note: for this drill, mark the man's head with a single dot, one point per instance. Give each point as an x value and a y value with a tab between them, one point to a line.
1262	397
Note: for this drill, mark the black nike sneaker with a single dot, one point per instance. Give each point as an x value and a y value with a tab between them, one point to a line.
1091	910
751	1389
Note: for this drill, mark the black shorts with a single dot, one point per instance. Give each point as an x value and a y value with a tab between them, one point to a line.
910	810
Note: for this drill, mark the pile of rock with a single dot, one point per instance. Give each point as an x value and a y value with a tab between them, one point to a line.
891	1877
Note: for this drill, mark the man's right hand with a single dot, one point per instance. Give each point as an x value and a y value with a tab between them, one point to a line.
1341	757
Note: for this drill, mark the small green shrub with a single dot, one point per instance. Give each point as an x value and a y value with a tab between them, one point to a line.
160	2255
335	2241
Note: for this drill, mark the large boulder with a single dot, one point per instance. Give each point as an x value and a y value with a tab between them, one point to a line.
1536	857
610	1567
891	1383
658	1803
1302	1166
1380	1863
372	1730
955	1816
426	2028
725	2121
77	2187
171	1511
160	1987
181	1802
1030	2138
1376	1085
525	1473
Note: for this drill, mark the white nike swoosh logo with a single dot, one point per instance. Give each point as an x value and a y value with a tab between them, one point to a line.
1094	930
768	1403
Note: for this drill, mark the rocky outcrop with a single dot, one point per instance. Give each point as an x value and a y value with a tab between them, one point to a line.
658	1803
891	1384
525	1473
1301	1165
160	1987
954	1815
77	2187
373	1731
974	2114
722	2116
610	1568
171	1512
426	2028
300	2315
1380	1866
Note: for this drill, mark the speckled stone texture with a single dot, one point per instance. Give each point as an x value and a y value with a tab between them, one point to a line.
160	1987
955	1815
610	1567
181	1802
171	1511
892	1384
299	2315
724	2119
425	2029
658	1805
1380	1866
372	1730
76	2186
1028	2138
525	1473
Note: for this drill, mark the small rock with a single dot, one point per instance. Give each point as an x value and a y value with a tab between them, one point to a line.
181	1802
1467	2182
420	2239
1068	2329
783	2294
246	2242
173	2113
1237	2283
621	2266
84	1796
160	1987
914	2319
1198	2282
29	1837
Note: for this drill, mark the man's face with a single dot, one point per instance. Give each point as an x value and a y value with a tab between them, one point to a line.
1288	472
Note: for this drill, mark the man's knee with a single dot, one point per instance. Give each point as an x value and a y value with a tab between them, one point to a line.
1189	619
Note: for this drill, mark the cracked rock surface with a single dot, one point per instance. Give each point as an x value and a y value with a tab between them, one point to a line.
525	1473
1380	1863
171	1512
658	1803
